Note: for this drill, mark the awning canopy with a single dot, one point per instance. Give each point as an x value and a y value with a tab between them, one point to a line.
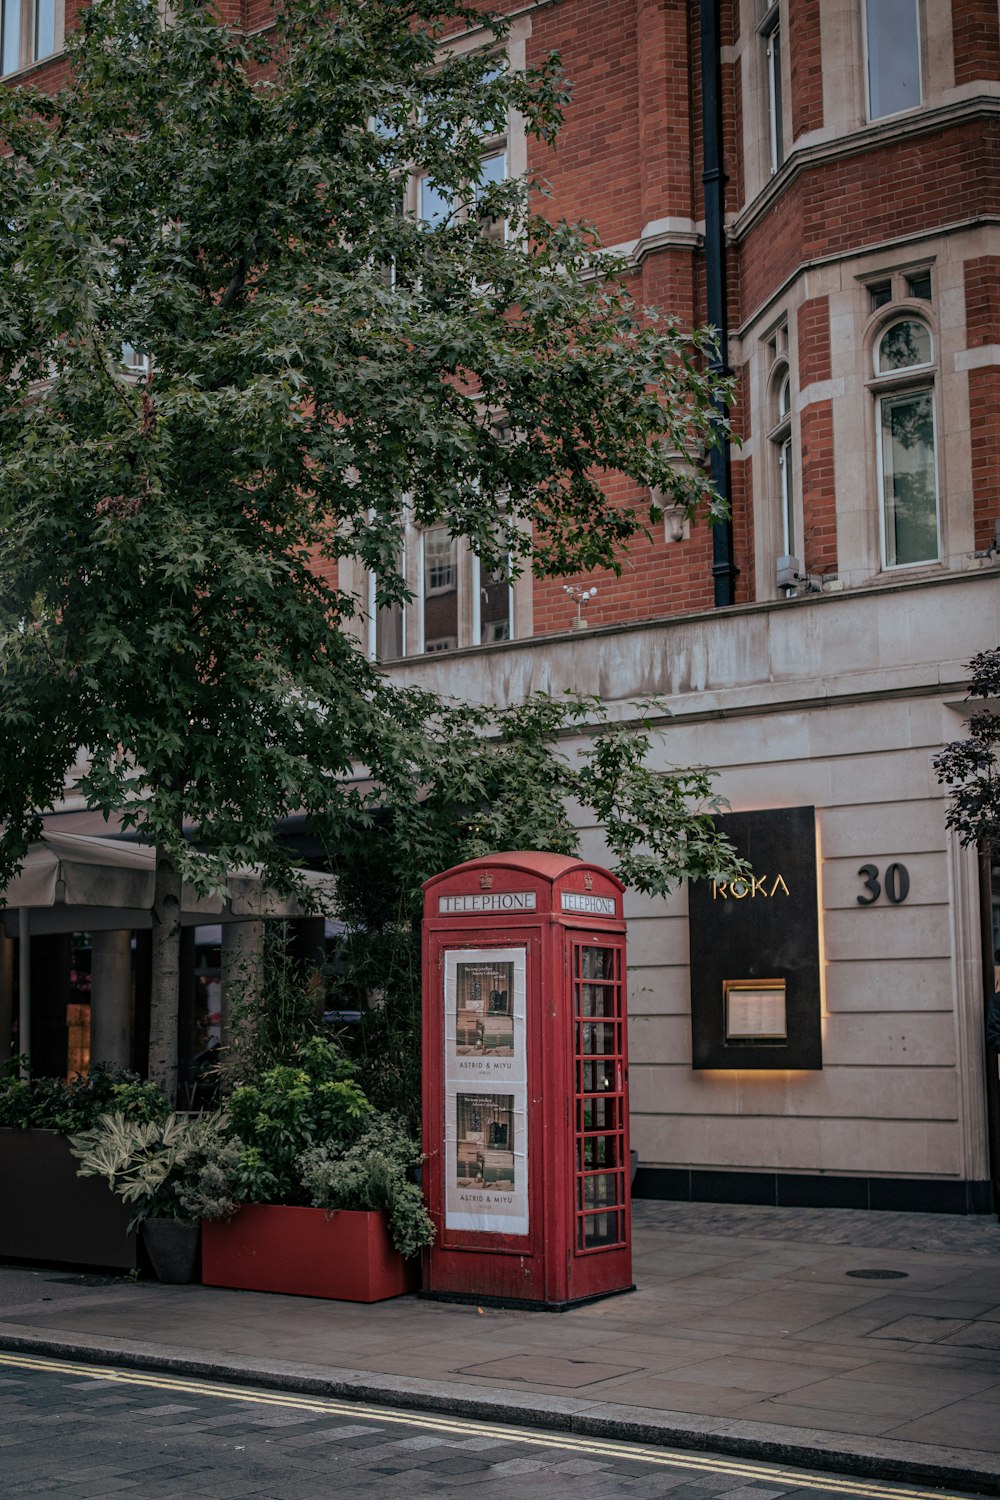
72	882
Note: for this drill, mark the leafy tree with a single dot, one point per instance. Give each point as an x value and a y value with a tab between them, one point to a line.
491	781
970	768
227	357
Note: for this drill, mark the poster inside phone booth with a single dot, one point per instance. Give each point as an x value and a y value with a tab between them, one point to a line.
525	1082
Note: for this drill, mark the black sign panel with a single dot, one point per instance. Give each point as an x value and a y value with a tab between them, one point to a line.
755	977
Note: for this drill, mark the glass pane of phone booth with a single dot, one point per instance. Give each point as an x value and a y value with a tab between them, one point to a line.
600	1097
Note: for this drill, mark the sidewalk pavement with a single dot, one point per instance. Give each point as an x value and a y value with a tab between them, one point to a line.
763	1332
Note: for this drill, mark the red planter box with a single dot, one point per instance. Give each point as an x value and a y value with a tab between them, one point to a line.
308	1252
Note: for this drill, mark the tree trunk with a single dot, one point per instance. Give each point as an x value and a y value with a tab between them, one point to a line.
165	975
242	988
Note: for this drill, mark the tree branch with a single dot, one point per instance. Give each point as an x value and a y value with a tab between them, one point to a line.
237	282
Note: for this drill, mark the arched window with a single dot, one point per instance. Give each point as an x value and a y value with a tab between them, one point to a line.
907	443
904	345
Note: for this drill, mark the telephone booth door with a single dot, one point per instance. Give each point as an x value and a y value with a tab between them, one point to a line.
601	1072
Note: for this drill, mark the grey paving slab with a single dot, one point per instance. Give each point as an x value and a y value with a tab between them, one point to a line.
931	1373
749	1374
682	1396
847	1394
803	1350
667	1348
826	1226
971	1424
919	1330
978	1335
788	1414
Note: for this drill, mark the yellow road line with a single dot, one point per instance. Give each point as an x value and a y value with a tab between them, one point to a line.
466	1427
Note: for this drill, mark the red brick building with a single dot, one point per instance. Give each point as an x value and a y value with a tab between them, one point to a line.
821	180
820	177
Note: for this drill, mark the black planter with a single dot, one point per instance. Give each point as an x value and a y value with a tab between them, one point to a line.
174	1250
49	1215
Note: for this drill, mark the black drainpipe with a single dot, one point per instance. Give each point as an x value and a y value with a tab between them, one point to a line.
724	569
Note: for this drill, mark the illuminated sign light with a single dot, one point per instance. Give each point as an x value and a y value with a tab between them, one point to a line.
595	906
489	901
755	1010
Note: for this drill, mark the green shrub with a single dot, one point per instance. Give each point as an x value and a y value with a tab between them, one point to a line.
306	1135
150	1163
374	1172
55	1104
294	1106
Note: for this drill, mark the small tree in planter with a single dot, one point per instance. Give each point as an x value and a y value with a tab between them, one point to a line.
153	1165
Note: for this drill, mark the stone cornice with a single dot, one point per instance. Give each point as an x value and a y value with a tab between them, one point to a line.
660	234
785	658
869	138
853	252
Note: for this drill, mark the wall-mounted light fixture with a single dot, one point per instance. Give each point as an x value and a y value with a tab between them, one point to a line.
791	581
582	598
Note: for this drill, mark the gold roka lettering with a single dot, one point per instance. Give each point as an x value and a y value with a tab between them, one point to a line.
737	890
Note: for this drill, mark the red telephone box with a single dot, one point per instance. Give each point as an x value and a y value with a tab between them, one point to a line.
525	1082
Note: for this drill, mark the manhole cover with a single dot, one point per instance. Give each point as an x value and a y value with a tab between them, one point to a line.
877	1275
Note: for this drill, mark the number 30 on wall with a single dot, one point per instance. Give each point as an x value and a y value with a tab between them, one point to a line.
897	884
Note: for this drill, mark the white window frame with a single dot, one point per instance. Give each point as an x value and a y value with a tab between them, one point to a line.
477	606
424	592
449	567
461	207
468	582
133	361
771	35
881	400
891	114
373	614
894	385
780	477
28	55
787	495
488	224
497	143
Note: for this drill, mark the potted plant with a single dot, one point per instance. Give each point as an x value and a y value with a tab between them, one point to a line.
313	1192
152	1165
50	1215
